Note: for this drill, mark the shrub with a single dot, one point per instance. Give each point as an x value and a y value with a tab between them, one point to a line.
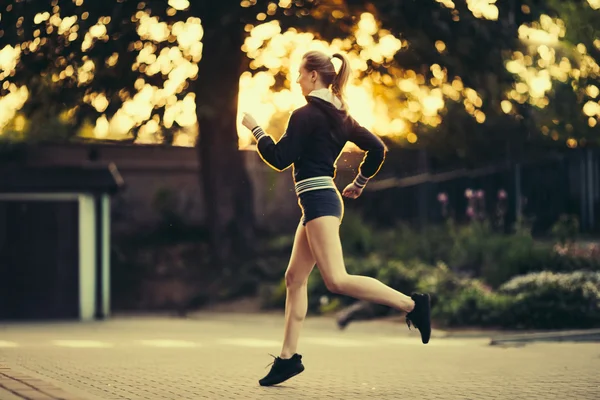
494	257
474	249
576	257
429	244
566	229
480	252
542	300
472	304
272	296
358	238
506	256
457	300
549	300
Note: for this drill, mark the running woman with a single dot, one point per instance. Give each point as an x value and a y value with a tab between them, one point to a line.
314	139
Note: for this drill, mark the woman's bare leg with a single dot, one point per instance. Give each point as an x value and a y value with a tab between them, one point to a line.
301	265
324	239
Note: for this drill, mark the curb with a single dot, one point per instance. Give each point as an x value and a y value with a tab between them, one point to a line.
586	335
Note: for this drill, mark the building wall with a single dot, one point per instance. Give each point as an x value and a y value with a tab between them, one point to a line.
148	170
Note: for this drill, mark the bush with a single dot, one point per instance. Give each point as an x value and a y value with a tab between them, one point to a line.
479	252
510	255
566	229
429	244
542	300
576	257
458	300
358	238
549	300
473	304
494	257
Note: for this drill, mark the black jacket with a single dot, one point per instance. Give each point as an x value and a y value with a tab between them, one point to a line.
314	139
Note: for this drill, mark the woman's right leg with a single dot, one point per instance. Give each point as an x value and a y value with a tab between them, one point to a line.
300	266
324	239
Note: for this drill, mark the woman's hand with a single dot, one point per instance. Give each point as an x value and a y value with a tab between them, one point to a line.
352	191
249	121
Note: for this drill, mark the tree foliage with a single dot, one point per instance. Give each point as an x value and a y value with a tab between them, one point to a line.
556	66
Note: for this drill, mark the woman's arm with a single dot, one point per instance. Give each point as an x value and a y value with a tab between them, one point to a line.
375	153
286	151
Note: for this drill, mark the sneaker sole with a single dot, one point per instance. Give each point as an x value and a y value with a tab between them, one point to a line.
282	379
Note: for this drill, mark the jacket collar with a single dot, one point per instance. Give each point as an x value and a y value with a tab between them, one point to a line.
328	96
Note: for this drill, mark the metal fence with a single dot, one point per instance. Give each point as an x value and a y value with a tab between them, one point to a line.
540	191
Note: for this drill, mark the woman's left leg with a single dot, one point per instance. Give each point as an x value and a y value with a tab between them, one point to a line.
301	265
302	262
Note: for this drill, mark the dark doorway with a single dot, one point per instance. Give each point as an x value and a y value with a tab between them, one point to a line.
39	260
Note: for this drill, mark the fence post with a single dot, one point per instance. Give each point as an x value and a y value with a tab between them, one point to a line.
518	195
590	189
583	213
423	190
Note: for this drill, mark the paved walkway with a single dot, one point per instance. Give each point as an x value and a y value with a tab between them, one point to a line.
222	356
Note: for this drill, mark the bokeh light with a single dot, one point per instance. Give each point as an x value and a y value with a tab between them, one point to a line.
485	9
545	62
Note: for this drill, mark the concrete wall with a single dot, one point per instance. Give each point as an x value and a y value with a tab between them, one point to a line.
147	170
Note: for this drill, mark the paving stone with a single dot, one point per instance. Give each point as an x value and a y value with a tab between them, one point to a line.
222	357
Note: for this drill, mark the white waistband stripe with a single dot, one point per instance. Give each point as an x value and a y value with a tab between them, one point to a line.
319	182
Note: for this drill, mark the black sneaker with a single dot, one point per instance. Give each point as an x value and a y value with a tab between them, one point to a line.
420	316
282	370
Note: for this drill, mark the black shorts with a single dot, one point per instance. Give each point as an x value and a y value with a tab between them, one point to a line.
321	203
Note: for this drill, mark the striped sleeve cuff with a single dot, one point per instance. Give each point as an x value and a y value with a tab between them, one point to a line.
361	180
258	133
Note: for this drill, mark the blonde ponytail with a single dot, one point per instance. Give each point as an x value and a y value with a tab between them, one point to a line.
338	86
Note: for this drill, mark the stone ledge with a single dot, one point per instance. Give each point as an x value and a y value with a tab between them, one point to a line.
585	335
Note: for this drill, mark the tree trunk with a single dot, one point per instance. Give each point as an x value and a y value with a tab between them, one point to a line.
228	193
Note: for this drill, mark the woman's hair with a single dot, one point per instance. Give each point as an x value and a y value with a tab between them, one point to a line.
323	65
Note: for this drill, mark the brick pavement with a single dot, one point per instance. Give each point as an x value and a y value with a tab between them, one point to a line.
16	385
222	356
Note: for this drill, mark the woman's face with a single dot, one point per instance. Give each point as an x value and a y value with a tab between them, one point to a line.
306	80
